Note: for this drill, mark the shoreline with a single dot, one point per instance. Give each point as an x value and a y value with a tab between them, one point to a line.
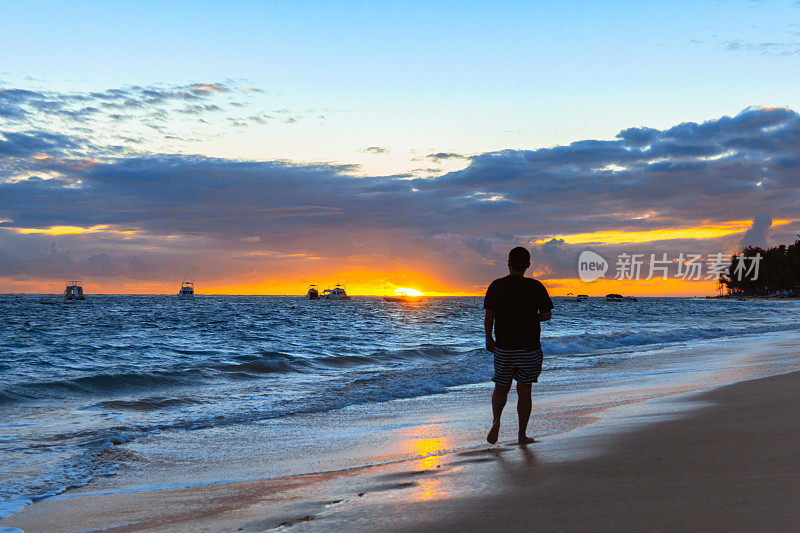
746	297
726	465
441	477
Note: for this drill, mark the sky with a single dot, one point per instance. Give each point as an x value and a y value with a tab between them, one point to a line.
268	145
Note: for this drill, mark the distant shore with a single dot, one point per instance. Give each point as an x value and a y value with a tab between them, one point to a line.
750	297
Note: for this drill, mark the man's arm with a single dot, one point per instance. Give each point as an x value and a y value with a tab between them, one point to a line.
544	303
488	325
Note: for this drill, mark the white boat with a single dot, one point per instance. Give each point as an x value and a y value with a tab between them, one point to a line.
187	291
313	293
579	298
74	291
336	293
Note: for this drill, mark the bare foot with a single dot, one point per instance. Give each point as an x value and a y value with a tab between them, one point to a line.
493	433
524	440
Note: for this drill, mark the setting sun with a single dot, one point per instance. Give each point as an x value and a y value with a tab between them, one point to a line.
402	291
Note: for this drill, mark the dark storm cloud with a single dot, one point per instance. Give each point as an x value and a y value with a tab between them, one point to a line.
731	168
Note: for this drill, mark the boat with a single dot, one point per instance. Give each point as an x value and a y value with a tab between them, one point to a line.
187	291
579	298
620	298
313	293
74	291
336	293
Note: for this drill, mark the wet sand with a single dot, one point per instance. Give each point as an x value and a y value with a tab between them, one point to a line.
732	465
721	459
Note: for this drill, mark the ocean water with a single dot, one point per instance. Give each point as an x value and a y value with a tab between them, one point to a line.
80	378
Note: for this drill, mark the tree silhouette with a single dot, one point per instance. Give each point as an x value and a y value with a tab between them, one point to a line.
778	270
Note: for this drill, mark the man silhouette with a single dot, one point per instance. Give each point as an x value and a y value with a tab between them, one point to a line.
515	305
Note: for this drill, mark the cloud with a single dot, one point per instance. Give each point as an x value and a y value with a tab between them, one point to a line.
766	48
376	150
22	144
681	173
20	103
113	116
785	43
759	231
159	211
482	246
441	156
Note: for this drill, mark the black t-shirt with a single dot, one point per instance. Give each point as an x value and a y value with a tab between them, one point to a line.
516	302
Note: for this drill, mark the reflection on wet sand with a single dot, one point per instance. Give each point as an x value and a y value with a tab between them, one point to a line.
429	485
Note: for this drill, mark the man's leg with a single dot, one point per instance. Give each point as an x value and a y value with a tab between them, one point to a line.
524	412
499	397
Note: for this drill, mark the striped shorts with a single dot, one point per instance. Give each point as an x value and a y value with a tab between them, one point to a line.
522	365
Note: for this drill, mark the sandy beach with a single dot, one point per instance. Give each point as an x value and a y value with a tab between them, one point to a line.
731	465
693	453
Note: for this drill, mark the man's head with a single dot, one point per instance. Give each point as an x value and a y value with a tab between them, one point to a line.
519	259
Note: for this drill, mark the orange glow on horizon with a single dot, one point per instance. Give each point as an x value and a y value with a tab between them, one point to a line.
72	230
356	281
636	237
367	287
644	287
271	272
403	291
